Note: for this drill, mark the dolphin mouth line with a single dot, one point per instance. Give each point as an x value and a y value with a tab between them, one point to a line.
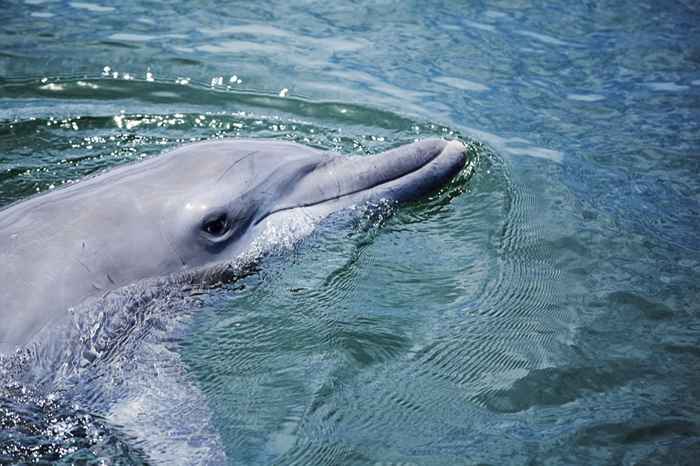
383	182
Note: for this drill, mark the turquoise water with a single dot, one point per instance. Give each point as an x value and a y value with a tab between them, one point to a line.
544	311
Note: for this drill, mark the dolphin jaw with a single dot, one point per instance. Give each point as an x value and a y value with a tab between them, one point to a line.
399	175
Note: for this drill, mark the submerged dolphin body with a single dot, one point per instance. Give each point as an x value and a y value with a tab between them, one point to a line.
201	204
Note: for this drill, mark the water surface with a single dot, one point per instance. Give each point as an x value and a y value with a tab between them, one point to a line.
543	311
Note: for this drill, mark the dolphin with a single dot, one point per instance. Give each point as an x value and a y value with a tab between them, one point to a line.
200	204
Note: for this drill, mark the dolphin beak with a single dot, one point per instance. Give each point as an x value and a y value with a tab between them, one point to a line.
404	174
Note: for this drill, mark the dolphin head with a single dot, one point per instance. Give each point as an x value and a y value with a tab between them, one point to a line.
199	207
235	189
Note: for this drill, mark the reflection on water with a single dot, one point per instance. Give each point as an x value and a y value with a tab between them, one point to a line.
541	311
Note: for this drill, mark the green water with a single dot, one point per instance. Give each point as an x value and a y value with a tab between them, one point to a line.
543	311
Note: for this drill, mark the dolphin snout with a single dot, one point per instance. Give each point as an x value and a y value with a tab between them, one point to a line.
404	174
448	160
423	166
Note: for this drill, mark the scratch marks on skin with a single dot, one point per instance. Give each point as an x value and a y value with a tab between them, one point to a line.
94	284
84	266
170	244
225	172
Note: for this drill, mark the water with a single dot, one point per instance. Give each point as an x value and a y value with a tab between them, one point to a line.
545	313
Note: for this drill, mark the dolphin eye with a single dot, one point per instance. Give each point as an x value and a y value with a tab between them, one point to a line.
216	225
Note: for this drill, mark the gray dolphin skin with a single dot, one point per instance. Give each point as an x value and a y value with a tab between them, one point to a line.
199	204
